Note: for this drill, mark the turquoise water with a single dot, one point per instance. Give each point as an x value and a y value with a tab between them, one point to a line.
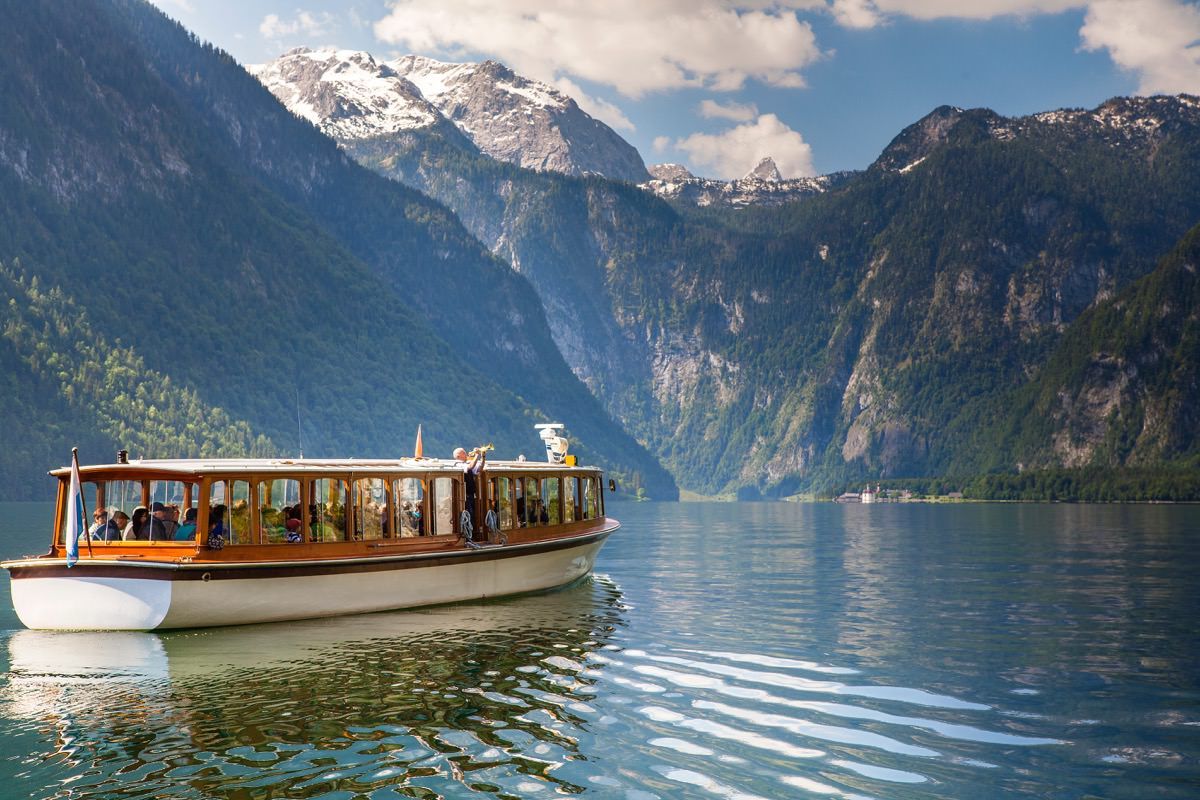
727	651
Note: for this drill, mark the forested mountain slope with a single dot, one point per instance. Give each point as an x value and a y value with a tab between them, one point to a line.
150	182
1122	388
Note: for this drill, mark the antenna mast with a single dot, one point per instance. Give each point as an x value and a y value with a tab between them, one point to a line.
299	433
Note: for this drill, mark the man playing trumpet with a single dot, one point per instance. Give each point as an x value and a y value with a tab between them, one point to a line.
472	465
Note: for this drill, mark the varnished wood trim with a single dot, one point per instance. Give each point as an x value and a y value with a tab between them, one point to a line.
175	571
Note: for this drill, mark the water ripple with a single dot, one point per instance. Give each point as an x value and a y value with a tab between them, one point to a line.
898	694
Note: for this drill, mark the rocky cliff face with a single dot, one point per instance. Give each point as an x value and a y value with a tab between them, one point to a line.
352	96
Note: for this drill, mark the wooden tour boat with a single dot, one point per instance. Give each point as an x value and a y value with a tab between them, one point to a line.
285	539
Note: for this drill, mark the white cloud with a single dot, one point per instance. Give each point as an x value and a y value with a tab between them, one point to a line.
738	112
735	152
856	13
632	45
1157	39
305	22
599	108
661	143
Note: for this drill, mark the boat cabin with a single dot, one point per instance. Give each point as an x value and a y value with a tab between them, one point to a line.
255	509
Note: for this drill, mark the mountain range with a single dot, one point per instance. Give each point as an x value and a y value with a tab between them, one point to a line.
193	265
873	324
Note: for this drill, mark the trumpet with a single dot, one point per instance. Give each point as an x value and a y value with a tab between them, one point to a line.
483	448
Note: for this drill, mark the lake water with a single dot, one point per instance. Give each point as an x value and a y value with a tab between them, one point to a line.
727	651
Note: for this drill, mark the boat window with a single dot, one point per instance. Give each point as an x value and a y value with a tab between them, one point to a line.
168	503
239	513
502	502
408	495
597	493
178	498
589	498
327	510
534	509
370	508
229	512
279	511
570	498
120	499
551	511
444	504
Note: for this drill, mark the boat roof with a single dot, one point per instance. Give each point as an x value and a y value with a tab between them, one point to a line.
292	466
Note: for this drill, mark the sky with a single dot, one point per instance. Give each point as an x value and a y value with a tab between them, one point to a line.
819	85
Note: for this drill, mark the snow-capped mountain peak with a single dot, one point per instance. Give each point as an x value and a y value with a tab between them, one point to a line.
346	93
440	81
350	95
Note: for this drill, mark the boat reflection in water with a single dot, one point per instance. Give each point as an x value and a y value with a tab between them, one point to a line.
491	697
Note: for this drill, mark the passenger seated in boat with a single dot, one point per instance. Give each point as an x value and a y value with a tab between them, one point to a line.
106	529
411	523
217	528
320	527
139	524
293	531
120	522
274	523
295	515
161	525
187	530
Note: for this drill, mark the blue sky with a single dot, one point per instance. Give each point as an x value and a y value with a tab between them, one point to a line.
821	85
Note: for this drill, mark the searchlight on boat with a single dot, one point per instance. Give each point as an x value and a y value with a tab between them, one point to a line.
556	445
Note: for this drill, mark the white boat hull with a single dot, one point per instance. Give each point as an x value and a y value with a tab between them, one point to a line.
106	602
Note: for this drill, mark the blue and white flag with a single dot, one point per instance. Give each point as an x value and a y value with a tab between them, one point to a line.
75	524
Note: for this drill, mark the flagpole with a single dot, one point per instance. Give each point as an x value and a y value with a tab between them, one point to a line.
83	503
75	513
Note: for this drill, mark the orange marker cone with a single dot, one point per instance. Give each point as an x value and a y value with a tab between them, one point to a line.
419	447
